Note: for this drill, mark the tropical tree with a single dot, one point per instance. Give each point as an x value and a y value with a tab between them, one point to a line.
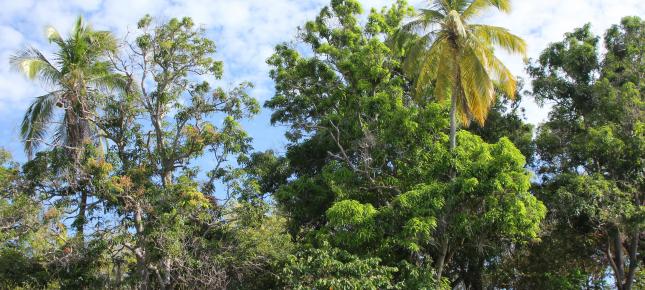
78	71
76	76
456	59
367	168
591	147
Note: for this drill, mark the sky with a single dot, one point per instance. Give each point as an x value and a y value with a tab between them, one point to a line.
246	31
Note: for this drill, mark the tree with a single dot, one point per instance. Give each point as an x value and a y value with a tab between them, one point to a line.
335	269
76	76
507	119
152	184
458	57
591	148
369	164
22	230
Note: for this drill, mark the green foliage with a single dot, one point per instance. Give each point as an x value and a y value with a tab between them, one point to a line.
151	181
591	148
79	71
332	268
370	163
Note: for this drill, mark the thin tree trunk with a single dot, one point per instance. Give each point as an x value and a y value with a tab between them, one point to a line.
456	94
633	260
618	258
166	167
453	173
140	252
453	121
442	256
80	219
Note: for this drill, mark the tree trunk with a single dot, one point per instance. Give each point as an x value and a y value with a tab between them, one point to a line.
624	269
166	165
80	219
633	260
456	94
453	121
166	177
442	257
474	278
140	252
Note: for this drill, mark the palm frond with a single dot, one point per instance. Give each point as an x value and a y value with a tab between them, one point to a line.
476	83
499	73
478	6
61	135
33	128
504	79
53	36
107	81
33	64
500	37
430	65
424	24
444	75
103	41
458	26
443	5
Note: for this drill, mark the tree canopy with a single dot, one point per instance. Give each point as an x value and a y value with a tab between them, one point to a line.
151	180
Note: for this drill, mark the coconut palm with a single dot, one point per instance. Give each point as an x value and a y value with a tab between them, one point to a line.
75	76
458	57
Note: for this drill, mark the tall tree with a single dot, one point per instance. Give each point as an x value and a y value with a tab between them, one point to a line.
175	218
78	71
591	148
457	60
77	74
370	165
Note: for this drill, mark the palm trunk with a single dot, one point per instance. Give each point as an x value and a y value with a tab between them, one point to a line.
453	121
78	135
443	251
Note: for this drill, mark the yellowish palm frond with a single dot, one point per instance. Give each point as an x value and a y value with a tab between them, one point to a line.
476	82
52	35
429	61
463	112
444	76
500	37
478	6
454	21
499	74
504	79
33	64
31	67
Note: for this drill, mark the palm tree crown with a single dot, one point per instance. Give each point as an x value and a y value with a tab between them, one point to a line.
458	57
78	71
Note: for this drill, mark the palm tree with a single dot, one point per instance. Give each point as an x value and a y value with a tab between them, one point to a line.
76	75
459	58
455	59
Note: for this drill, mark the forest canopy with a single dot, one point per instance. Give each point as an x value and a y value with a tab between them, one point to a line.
409	163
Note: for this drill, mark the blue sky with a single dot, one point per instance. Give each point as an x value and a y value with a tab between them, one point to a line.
246	32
